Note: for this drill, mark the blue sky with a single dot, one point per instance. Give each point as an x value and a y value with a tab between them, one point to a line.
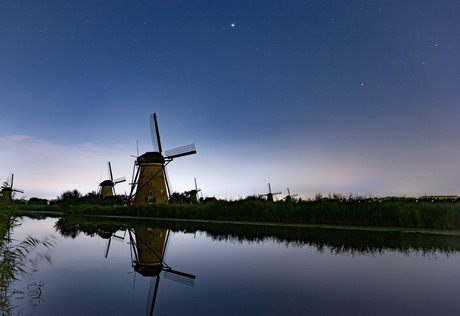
319	96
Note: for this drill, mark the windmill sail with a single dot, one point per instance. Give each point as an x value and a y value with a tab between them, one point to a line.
180	151
154	131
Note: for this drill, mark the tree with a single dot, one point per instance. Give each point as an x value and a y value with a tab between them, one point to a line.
69	198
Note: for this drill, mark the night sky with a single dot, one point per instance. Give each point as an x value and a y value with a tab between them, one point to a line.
319	96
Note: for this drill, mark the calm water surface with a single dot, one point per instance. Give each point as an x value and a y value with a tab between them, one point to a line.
95	274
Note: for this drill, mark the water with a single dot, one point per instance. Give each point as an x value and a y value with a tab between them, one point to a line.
239	270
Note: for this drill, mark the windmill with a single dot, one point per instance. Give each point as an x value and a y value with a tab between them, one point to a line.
107	187
289	196
8	190
193	194
270	194
150	179
148	249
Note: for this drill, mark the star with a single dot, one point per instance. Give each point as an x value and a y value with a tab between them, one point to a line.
232	25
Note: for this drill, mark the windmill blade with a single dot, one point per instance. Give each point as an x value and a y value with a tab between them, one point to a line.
18	190
178	276
180	151
154	131
107	247
134	181
12	177
196	186
137	148
152	296
269	188
168	183
109	170
119	238
289	193
119	180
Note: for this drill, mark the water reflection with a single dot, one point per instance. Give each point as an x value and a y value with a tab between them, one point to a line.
247	270
337	241
147	250
18	260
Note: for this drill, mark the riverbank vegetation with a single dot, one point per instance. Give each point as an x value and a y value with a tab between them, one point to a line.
335	209
350	212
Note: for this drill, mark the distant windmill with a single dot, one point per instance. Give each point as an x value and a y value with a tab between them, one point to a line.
150	180
8	190
107	187
289	196
194	194
270	194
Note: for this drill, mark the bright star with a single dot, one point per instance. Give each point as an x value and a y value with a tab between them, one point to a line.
232	25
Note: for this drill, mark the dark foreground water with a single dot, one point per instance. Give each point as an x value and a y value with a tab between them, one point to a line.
106	268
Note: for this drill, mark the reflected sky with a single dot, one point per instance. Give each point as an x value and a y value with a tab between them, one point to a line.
242	278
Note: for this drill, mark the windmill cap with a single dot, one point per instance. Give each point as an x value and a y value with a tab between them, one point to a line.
107	183
148	270
151	157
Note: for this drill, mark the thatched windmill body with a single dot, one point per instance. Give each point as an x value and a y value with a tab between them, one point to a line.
8	190
149	177
107	187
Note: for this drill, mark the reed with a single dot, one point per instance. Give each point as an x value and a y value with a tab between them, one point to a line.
410	214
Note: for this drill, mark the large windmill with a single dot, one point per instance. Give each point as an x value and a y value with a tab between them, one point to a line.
270	194
8	190
107	187
149	177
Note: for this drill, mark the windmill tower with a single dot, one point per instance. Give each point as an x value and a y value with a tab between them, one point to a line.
107	187
270	194
150	181
8	190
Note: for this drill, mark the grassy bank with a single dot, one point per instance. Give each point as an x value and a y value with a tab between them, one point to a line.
442	215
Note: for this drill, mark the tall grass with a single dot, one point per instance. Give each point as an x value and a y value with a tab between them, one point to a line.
441	215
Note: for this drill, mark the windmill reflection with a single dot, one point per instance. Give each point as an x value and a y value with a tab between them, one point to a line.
148	249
